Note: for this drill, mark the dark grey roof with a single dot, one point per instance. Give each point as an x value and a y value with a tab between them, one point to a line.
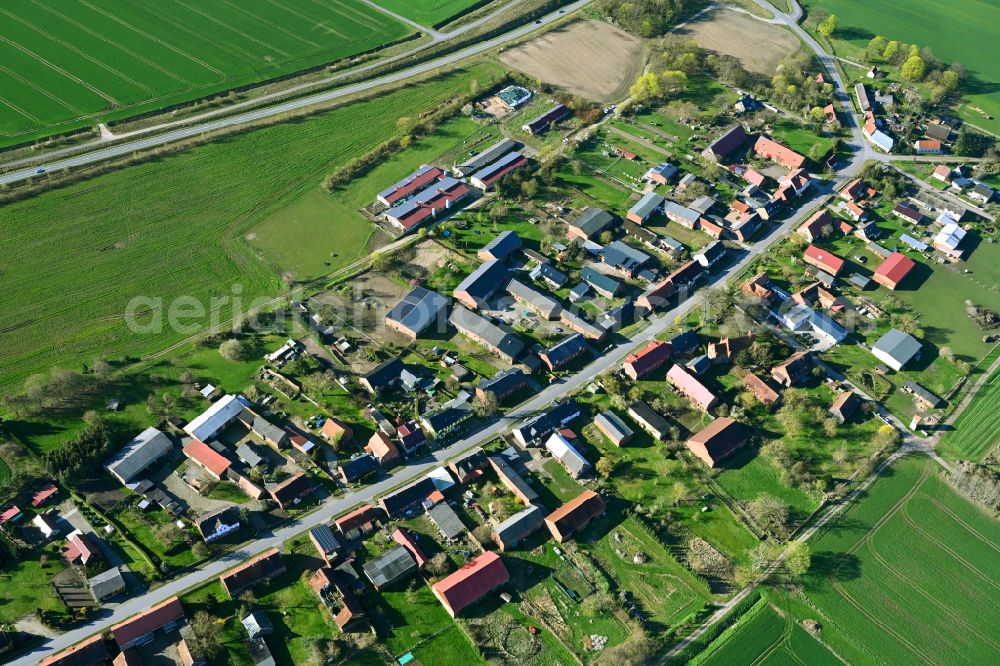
419	309
491	154
385	373
550	273
983	190
939	132
505	382
246	453
712	252
447	521
685	342
397	502
467	321
623	256
519	526
922	393
643	413
599	280
148	447
547	306
505	244
392	565
208	523
355	468
565	351
485	281
593	221
542	424
323	535
453	412
268	430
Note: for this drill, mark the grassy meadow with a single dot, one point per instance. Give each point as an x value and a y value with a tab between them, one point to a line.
76	256
954	31
977	430
72	63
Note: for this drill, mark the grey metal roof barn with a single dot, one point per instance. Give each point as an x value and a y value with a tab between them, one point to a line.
447	521
389	567
518	527
106	584
418	310
139	454
491	154
896	348
593	221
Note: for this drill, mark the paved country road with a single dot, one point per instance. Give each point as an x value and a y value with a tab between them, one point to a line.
191	131
339	505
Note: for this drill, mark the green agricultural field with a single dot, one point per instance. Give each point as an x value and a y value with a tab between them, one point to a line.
69	64
178	227
908	574
765	636
953	32
432	13
977	430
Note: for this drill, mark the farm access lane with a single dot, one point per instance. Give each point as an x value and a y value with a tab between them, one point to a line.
334	507
196	130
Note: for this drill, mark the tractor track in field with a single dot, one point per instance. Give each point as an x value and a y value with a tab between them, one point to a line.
944	609
971	530
968	565
862	542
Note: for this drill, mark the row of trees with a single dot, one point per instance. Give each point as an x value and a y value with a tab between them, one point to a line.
646	18
916	64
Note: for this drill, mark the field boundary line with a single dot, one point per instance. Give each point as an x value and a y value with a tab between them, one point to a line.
945	610
31	84
270	23
967	527
292	10
122	47
16	108
153	38
225	46
83	54
69	75
226	26
968	565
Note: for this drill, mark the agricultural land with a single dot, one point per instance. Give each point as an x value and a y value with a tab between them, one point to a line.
66	66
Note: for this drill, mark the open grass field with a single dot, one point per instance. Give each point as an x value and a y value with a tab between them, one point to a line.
908	574
289	237
69	64
431	13
589	58
977	430
764	635
954	32
176	227
759	46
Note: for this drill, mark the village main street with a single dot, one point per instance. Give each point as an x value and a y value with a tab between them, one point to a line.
860	152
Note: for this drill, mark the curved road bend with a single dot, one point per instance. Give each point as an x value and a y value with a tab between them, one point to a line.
286	107
335	507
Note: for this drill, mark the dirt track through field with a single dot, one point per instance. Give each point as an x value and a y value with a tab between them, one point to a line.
588	58
758	45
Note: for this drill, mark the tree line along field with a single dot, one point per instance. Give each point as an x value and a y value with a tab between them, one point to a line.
909	574
74	257
431	13
65	65
954	31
